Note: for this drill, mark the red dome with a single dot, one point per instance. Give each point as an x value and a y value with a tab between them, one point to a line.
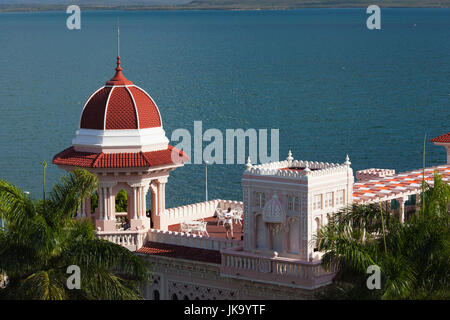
120	105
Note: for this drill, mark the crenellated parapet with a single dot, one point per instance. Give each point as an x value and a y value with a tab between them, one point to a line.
296	169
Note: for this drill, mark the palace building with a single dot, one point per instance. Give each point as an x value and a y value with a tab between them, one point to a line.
272	256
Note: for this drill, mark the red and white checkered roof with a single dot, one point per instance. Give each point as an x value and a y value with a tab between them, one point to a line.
398	185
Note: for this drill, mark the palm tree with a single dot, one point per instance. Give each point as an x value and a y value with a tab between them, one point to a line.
413	257
41	240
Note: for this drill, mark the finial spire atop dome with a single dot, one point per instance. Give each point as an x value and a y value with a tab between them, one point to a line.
118	38
119	78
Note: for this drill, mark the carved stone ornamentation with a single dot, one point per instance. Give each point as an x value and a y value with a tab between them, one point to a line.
273	211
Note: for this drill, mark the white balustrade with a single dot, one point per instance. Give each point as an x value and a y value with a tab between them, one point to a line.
199	210
237	263
132	240
190	240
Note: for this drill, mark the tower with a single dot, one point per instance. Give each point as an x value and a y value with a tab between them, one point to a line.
121	140
286	203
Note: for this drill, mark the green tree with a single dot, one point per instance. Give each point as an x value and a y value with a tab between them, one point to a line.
121	201
38	245
413	256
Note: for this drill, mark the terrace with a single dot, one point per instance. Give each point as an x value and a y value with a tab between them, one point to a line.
170	231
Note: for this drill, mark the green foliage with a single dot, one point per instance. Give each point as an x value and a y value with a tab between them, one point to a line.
38	245
94	202
121	201
413	257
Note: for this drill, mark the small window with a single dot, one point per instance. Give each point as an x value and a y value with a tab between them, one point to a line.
293	203
260	199
328	200
339	197
317	202
155	295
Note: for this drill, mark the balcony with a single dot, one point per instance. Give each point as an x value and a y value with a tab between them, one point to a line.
238	264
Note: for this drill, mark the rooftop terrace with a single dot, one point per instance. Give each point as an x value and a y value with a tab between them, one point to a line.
214	230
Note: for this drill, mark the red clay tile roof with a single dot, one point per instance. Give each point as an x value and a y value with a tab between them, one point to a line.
93	113
119	106
70	157
444	138
119	78
180	252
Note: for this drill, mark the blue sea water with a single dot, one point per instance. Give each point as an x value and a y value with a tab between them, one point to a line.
331	86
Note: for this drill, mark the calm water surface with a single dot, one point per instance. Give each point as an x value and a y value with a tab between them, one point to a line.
331	86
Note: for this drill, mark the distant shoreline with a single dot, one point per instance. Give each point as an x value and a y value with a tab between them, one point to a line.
40	8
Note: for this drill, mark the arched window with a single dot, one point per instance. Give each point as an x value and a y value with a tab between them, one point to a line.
294	236
260	232
316	231
277	238
259	199
121	201
155	295
174	296
317	225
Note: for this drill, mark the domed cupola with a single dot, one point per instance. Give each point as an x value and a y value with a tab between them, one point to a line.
120	116
120	127
121	140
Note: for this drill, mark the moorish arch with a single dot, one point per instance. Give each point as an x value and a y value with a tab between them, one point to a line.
293	235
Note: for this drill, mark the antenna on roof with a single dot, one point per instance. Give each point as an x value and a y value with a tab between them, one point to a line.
118	38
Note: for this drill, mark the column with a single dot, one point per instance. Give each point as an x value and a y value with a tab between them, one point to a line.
156	217
135	207
162	194
106	217
112	204
139	219
105	203
154	198
402	208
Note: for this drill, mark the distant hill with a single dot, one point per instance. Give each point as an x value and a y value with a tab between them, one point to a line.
236	4
22	5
